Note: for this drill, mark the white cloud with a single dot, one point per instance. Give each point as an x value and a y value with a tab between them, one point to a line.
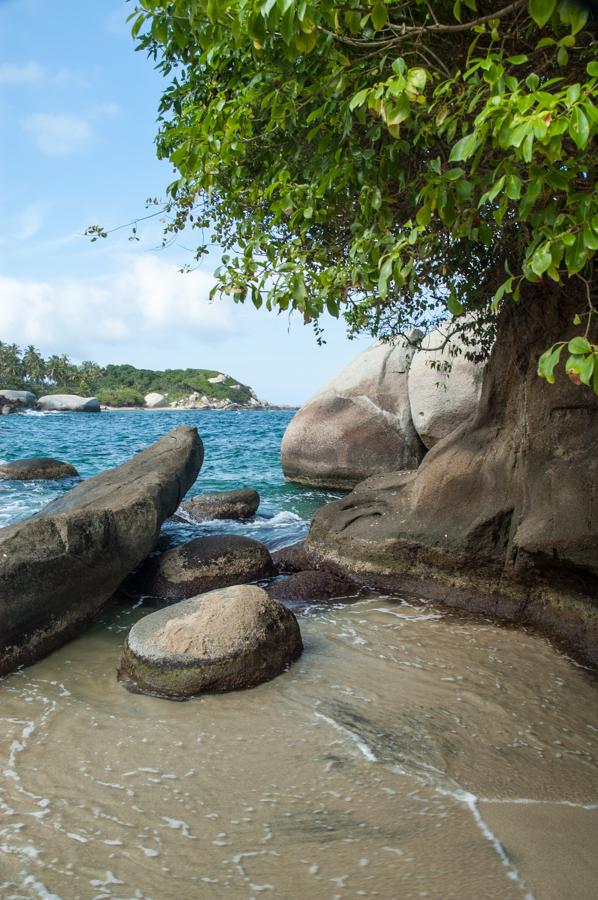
20	73
60	134
57	135
148	300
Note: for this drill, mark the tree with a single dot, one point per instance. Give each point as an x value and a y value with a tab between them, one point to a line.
389	161
34	365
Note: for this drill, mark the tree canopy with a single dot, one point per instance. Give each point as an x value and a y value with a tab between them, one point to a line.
388	160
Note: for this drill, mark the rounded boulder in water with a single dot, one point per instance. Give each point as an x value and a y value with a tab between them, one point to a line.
224	640
203	564
43	467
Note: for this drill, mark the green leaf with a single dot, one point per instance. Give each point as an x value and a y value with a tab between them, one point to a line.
379	16
464	148
579	345
592	69
573	13
359	98
541	260
579	128
454	306
580	366
541	10
548	361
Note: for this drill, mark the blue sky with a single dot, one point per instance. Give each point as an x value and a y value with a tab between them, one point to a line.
77	119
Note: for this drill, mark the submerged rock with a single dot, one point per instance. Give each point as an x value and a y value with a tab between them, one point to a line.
60	566
224	640
359	424
202	565
313	586
442	399
68	403
240	504
37	467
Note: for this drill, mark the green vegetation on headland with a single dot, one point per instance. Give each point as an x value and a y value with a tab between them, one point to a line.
113	385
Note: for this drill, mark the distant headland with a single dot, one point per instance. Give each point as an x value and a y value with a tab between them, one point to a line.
123	386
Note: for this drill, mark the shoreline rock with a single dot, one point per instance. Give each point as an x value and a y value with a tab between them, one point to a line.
500	518
59	567
229	639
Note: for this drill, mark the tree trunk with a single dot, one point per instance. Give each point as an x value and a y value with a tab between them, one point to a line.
502	515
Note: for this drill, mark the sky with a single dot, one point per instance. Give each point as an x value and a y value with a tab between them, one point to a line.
77	125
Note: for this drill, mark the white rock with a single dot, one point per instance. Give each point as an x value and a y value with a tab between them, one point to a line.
217	379
441	400
68	403
154	400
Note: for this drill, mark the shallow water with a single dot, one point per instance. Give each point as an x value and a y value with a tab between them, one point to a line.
406	754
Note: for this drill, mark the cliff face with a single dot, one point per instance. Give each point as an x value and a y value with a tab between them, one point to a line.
502	515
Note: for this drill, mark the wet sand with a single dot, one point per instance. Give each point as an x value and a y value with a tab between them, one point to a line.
405	755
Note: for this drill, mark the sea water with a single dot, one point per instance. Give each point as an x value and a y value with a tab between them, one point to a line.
407	754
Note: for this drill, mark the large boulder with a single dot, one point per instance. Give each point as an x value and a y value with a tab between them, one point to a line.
221	641
359	424
444	386
61	565
501	517
16	401
68	403
154	400
202	565
241	504
43	467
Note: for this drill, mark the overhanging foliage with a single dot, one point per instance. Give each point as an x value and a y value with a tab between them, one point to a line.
387	161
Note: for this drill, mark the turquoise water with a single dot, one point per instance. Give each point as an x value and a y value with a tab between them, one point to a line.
242	449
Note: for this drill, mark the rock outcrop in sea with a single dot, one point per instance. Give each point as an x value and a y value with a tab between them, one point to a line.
225	640
42	467
60	566
15	401
68	403
359	424
241	504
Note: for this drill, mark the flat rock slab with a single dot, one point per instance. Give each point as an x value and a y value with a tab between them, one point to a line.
201	565
43	467
61	565
225	640
313	587
291	559
240	504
